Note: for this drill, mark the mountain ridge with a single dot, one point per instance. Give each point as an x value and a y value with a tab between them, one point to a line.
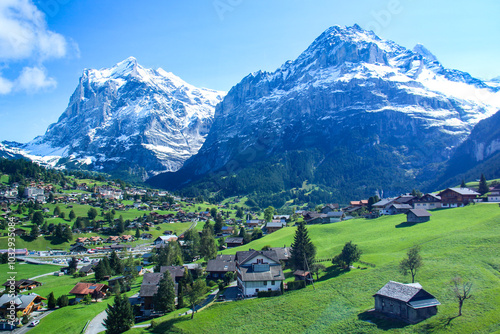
349	92
127	117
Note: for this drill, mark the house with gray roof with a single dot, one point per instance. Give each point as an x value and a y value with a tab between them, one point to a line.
457	197
408	302
219	266
418	216
258	271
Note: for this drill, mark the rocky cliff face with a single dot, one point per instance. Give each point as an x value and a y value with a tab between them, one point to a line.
349	94
132	118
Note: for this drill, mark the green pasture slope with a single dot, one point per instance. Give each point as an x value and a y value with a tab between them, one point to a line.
461	241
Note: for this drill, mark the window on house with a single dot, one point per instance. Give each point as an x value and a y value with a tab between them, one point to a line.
265	282
273	282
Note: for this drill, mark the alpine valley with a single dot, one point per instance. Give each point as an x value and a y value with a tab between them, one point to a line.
351	116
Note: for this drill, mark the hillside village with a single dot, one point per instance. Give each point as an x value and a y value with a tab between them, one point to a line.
102	253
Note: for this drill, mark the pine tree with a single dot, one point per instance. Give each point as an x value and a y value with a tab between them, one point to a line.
218	225
483	185
51	301
164	298
62	301
67	234
116	263
35	231
120	317
243	234
303	250
72	215
208	248
462	185
137	233
37	218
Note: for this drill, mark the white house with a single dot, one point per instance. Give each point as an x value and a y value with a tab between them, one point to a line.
258	271
164	239
494	196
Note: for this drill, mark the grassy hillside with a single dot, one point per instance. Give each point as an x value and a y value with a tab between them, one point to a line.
462	241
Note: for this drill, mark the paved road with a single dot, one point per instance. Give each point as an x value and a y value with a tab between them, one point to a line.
25	329
95	326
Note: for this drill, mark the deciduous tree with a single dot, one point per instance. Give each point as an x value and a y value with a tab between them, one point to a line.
411	263
350	254
462	291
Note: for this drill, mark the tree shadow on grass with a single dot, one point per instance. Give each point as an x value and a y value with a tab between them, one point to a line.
381	321
27	238
168	326
439	325
331	272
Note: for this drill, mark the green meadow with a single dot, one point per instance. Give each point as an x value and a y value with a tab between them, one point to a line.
455	242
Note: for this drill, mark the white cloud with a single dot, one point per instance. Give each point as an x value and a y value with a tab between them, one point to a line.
5	86
34	79
25	37
24	33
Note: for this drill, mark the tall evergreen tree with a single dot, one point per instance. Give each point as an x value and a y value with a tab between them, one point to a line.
243	234
191	247
462	185
120	317
51	300
116	263
303	251
218	224
164	298
72	215
208	248
35	231
483	185
37	218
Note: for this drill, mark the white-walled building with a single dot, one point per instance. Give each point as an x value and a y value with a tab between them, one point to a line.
258	271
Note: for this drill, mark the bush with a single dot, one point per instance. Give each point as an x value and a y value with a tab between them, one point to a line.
296	285
211	283
263	294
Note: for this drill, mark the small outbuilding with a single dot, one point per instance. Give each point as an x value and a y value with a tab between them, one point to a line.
418	216
408	302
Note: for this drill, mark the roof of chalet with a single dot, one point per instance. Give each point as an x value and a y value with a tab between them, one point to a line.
275	273
301	273
82	288
220	265
21	301
244	256
413	294
21	282
87	268
275	224
420	212
151	278
404	199
461	191
383	202
283	253
175	271
234	240
401	206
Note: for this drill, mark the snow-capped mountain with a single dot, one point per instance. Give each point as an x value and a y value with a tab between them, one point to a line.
355	102
129	117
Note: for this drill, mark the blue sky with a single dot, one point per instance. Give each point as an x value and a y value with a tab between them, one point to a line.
45	44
